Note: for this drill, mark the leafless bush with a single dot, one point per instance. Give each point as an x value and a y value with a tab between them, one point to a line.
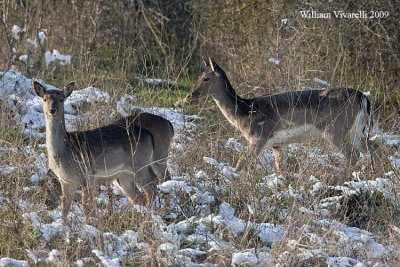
268	46
265	46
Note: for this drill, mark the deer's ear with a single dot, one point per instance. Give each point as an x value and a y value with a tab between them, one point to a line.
211	64
68	89
215	68
39	89
205	63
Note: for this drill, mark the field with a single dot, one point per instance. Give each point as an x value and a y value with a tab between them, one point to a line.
316	213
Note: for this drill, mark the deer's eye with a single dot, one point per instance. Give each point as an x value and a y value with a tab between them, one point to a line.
61	100
206	79
44	99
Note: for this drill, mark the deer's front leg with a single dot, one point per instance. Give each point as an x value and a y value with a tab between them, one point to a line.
67	197
239	164
253	151
85	195
88	200
277	151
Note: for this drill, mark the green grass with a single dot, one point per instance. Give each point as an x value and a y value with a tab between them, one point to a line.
158	96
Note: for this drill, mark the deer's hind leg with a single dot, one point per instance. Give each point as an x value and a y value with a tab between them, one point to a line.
128	186
377	155
369	147
160	169
375	152
147	180
351	152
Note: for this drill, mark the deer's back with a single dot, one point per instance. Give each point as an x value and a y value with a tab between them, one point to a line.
314	106
158	126
161	129
294	113
120	144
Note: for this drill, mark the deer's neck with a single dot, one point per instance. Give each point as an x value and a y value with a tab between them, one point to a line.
56	137
230	103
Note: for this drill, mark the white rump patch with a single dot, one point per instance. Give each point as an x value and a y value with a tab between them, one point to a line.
357	129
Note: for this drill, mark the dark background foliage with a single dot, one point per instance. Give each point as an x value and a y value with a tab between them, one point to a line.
114	42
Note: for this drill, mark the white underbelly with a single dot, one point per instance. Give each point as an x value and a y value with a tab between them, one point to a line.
297	134
110	172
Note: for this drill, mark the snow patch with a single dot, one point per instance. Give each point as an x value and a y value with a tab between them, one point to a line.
12	262
17	31
322	82
274	61
56	55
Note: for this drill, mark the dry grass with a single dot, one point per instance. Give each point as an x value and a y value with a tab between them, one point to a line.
368	211
113	43
16	234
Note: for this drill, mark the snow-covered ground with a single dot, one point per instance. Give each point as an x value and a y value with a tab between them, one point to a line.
213	225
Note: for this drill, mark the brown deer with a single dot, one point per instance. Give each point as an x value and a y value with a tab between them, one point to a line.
163	133
337	115
120	151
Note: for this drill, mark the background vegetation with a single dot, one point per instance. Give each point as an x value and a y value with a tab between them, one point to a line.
115	45
112	43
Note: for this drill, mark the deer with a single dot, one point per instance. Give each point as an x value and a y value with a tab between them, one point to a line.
121	151
163	133
337	115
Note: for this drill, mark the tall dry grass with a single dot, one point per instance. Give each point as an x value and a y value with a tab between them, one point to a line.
113	42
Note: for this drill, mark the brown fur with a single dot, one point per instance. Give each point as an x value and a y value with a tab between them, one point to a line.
337	115
119	151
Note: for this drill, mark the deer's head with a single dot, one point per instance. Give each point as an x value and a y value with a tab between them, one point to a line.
209	83
53	99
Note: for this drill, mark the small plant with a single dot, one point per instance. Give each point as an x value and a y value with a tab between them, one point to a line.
32	53
357	209
16	233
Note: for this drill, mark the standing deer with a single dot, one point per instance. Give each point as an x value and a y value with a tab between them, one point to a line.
337	115
120	151
163	132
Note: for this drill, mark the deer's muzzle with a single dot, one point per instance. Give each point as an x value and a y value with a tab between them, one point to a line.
53	111
180	103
